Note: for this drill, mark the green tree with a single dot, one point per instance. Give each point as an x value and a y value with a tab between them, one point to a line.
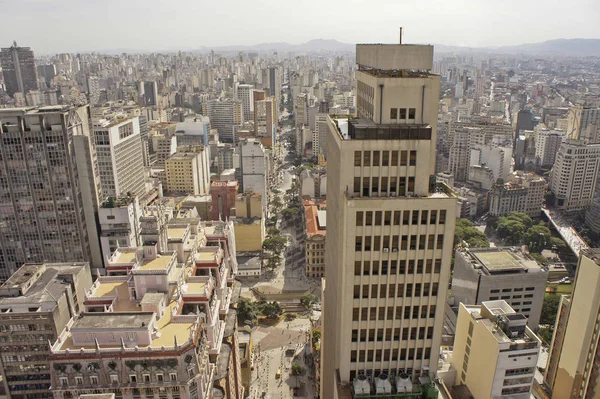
521	217
550	309
275	244
465	231
539	258
538	237
272	310
247	309
297	369
511	229
545	334
289	214
308	300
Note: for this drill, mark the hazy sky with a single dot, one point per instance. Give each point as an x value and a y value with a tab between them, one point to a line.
50	26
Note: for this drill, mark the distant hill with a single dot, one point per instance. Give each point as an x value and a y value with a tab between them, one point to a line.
565	47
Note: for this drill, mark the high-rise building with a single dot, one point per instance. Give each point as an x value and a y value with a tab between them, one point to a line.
223	194
489	274
18	68
225	116
275	84
254	168
119	151
188	171
46	159
38	301
46	73
574	175
390	227
149	91
573	359
547	143
495	353
583	123
245	94
265	121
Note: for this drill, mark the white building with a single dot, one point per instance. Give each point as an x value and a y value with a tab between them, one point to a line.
120	226
245	93
574	175
254	168
547	143
497	159
225	116
495	353
520	192
120	156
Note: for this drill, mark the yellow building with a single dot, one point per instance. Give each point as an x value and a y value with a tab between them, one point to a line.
249	223
187	171
574	358
495	353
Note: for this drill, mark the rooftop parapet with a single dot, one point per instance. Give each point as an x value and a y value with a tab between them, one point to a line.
394	56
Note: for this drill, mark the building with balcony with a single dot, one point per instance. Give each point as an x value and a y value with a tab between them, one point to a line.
156	326
36	304
119	220
495	353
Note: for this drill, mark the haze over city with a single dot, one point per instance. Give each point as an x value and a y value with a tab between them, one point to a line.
154	25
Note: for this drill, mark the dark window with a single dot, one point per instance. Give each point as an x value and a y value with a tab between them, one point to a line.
424	216
440	241
357	158
357	268
367	158
354	335
412	113
394	158
406	217
413	158
385	158
402	113
403	158
353	356
387	219
378	218
359	218
442	216
357	184
394	113
375	158
433	217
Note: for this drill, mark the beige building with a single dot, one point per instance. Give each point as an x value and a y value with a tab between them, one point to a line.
583	123
574	358
574	175
36	303
489	274
495	353
249	222
188	171
265	121
521	192
390	231
316	230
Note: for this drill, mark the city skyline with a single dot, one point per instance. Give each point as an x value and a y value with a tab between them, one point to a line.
131	28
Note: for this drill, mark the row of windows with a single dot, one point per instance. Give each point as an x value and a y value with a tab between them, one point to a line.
393	184
387	313
405	242
395	290
385	158
496	291
387	354
397	218
393	267
411	112
391	334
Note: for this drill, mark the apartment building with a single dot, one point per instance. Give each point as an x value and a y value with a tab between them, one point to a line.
583	123
390	230
36	304
265	121
119	221
489	274
188	171
574	357
495	353
152	328
47	160
119	151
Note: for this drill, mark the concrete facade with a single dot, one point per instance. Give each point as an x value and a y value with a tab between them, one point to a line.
490	274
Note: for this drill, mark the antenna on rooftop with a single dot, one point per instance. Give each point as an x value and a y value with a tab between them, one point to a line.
400	35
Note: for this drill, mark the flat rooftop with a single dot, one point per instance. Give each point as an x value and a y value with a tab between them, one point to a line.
112	320
160	263
502	260
176	233
499	261
125	257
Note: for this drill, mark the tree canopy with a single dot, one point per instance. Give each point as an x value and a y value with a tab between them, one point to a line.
465	231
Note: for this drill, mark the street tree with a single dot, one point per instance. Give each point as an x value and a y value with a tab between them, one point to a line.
272	310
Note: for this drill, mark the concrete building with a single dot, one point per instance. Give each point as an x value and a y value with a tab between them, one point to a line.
223	198
319	140
180	323
119	151
495	352
188	171
265	121
301	109
314	245
574	175
489	274
48	161
547	143
193	131
573	359
254	168
583	123
226	116
245	93
390	230
149	93
521	192
119	222
227	157
249	222
36	304
18	69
